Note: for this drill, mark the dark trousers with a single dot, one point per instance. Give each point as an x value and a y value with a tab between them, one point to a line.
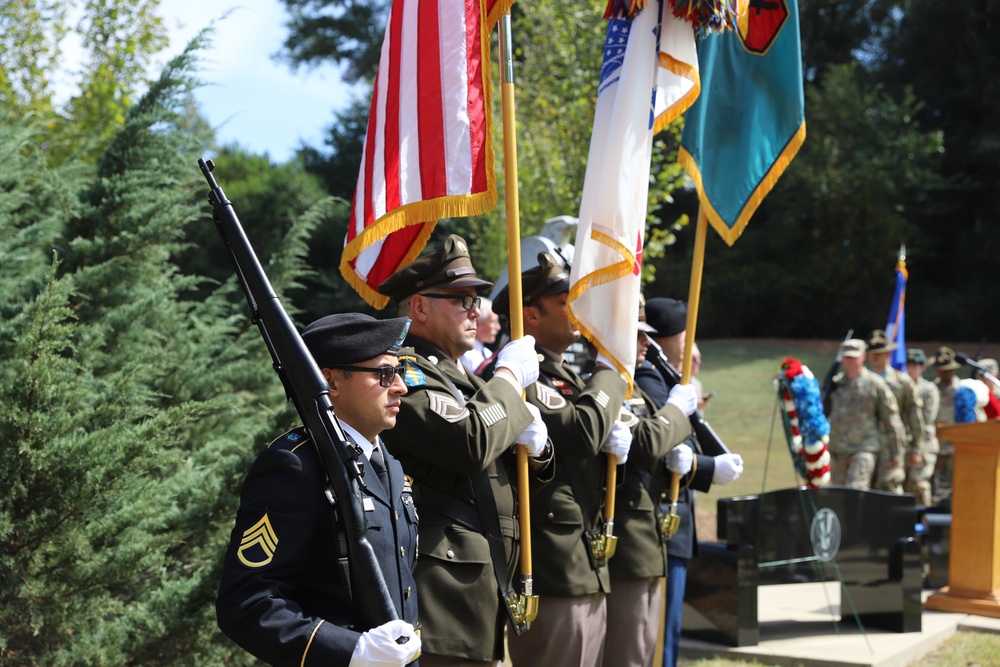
676	580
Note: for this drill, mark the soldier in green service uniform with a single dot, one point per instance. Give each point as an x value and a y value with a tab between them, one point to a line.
640	562
582	421
920	460
454	436
910	410
864	420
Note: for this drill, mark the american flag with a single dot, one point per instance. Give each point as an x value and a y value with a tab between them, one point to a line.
428	152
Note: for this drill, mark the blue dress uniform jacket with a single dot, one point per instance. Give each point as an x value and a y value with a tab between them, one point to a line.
641	552
579	416
684	543
283	597
442	440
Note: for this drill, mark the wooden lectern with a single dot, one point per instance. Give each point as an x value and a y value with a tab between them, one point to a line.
974	560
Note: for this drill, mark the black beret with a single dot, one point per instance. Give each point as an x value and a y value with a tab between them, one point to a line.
348	338
548	277
448	268
667	316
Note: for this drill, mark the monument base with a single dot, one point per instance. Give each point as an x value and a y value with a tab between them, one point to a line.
945	600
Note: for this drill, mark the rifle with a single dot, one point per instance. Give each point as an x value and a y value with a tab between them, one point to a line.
306	387
828	387
711	443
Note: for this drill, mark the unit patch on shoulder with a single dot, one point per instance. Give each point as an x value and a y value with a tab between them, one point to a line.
446	407
549	397
258	544
493	414
413	377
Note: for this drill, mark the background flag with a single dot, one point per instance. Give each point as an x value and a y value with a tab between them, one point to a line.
749	121
895	329
428	151
641	89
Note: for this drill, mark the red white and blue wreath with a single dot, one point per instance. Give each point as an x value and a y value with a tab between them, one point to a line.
806	429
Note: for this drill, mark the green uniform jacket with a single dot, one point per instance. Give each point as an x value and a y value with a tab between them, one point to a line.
578	415
441	444
641	553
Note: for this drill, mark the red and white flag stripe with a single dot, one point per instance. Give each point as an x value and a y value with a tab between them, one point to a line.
428	151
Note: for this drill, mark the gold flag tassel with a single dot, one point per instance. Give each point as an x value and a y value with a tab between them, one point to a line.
525	608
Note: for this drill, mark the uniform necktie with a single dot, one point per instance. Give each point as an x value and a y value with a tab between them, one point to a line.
378	465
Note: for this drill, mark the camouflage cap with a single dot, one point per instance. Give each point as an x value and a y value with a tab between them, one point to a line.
548	277
915	355
347	338
878	341
448	268
853	347
944	359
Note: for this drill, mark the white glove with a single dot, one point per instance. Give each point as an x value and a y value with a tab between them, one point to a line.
685	397
618	442
601	359
727	468
536	435
520	358
378	647
680	459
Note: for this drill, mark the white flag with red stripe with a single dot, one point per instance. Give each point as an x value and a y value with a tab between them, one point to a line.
649	76
428	151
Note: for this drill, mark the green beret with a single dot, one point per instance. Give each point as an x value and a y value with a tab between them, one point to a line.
448	268
667	316
348	338
548	277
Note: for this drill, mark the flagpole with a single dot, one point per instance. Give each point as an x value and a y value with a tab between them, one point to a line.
528	604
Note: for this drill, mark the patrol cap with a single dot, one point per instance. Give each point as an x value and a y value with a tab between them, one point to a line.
915	355
878	341
547	278
944	359
347	338
450	267
853	347
643	324
667	316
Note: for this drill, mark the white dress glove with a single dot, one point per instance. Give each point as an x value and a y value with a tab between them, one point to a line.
536	435
520	358
727	468
378	647
685	397
680	459
618	442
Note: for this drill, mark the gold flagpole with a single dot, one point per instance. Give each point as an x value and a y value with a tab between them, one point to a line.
528	603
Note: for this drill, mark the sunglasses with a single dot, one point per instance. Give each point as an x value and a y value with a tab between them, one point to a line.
386	374
468	301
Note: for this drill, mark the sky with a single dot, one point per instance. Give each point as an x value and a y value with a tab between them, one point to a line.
250	98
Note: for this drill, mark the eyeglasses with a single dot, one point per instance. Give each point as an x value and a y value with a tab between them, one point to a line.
468	301
386	374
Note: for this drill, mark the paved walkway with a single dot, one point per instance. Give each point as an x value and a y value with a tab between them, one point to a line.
799	625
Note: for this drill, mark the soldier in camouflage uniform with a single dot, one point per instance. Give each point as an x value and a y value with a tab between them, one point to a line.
454	436
920	461
910	410
946	383
864	420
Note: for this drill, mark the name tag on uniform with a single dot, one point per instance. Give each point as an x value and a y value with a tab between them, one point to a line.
368	504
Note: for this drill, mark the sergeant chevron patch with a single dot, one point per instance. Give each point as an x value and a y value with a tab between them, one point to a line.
493	414
446	407
549	397
258	544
